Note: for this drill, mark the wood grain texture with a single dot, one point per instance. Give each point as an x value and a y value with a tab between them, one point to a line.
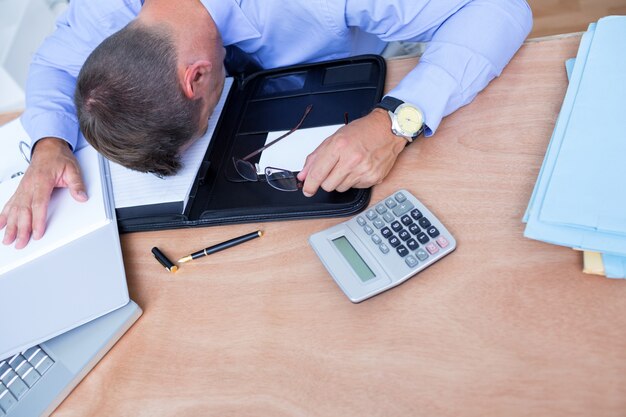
552	17
504	326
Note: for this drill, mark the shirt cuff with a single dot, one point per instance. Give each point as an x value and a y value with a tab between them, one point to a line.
430	88
55	125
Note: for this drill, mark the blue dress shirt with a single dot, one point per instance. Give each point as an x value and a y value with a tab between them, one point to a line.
469	43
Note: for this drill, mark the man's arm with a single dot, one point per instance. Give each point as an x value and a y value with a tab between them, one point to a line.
469	43
50	117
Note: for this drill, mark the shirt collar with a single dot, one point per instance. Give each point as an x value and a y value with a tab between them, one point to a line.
232	23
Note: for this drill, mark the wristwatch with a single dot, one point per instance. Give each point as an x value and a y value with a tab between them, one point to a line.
407	120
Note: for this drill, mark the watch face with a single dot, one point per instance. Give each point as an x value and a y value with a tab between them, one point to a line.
410	120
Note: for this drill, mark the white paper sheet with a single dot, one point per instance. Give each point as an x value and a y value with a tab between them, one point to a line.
291	152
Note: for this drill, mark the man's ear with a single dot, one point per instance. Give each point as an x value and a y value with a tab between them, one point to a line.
196	79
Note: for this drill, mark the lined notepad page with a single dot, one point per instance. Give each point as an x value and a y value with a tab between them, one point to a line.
68	219
132	188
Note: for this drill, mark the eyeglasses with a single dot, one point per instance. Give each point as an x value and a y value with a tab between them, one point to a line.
280	179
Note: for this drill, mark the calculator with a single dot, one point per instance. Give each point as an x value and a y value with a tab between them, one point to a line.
382	247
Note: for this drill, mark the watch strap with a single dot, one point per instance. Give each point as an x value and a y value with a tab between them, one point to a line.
389	103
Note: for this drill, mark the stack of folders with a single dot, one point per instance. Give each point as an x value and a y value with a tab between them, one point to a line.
579	199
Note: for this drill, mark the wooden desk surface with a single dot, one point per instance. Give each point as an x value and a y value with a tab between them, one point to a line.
505	326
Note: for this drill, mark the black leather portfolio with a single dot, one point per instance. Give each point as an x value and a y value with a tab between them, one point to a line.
269	101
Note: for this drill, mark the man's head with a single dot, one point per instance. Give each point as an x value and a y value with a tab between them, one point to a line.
144	94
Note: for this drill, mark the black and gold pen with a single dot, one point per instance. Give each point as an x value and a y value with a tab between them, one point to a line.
221	246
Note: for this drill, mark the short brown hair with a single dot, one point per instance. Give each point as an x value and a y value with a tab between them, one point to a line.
129	102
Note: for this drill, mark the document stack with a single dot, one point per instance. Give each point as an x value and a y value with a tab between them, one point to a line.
579	199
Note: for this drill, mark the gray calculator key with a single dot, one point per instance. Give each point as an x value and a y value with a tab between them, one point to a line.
376	239
421	254
371	214
6	399
388	217
402	251
361	221
378	223
390	202
400	197
383	248
411	261
381	209
403	208
368	230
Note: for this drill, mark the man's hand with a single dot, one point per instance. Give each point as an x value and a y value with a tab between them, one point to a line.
53	165
359	155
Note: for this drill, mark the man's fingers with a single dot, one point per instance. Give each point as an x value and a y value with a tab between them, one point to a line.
24	228
41	199
10	232
76	185
317	172
3	220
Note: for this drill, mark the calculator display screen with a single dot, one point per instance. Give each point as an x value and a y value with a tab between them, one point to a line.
354	259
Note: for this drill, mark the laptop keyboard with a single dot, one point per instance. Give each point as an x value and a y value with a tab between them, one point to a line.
19	374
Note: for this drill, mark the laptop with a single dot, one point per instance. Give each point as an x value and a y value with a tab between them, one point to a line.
73	275
36	380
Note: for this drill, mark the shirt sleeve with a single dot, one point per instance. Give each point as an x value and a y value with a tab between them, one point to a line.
51	82
468	44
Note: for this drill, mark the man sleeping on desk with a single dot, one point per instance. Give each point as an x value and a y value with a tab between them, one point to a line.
140	79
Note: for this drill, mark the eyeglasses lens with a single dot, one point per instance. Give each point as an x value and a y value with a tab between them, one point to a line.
281	179
246	169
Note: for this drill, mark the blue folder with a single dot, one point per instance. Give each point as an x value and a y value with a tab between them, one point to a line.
579	198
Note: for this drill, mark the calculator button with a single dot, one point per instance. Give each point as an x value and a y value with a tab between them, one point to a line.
368	230
404	235
394	242
411	261
432	231
416	214
403	208
381	209
422	238
414	229
371	214
386	232
361	221
388	217
421	254
432	248
412	244
402	251
400	197
406	220
424	222
378	223
376	239
442	241
391	203
396	226
383	248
